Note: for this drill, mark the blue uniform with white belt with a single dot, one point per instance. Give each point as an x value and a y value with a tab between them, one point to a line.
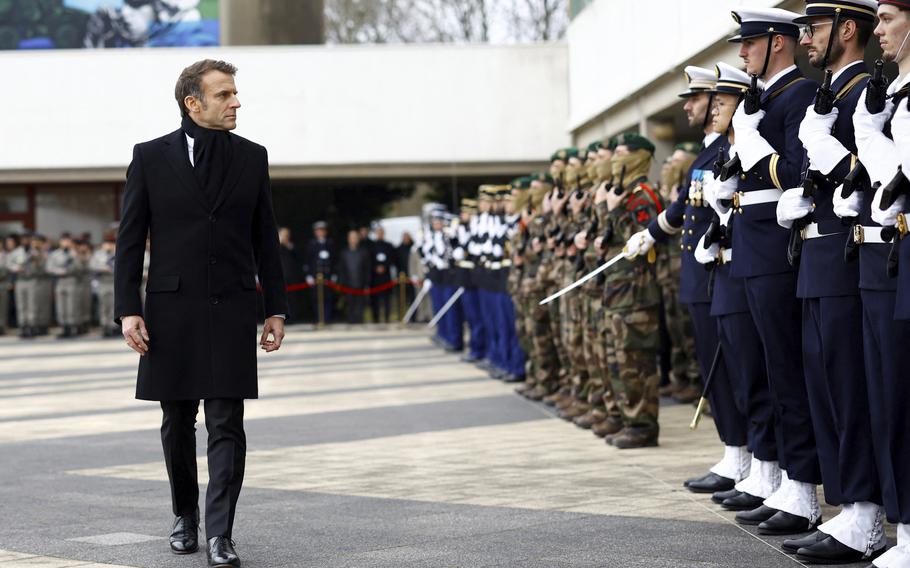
693	215
770	282
832	323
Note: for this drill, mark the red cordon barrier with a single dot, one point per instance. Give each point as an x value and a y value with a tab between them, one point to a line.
351	291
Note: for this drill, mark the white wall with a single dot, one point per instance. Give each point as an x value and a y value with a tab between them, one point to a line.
617	48
403	104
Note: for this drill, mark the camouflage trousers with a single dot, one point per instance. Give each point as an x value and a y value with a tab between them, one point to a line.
572	320
632	347
543	360
683	363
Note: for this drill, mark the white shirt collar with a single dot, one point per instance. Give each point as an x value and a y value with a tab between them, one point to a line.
189	146
898	83
710	138
770	82
837	75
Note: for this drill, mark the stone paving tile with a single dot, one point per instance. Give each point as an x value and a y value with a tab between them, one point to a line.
394	481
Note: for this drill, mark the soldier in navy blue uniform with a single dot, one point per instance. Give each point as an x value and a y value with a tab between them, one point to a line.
836	35
886	332
690	215
465	265
739	339
771	157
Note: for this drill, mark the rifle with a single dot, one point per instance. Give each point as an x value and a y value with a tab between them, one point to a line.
751	105
619	189
854	181
899	185
877	89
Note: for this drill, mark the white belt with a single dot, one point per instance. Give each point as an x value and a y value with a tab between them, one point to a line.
506	263
494	265
744	199
726	255
465	264
867	235
811	232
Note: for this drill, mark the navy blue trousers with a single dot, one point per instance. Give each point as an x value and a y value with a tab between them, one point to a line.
470	302
493	322
727	405
438	300
513	356
888	385
745	364
836	384
776	312
452	323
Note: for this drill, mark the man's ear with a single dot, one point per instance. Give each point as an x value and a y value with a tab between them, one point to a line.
191	103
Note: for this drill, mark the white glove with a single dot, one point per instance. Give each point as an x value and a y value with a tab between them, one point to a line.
888	217
876	151
640	243
743	122
865	123
706	255
792	206
849	207
824	150
716	191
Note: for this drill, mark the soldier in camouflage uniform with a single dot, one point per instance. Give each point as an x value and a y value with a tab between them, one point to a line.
632	297
546	371
520	201
25	263
4	290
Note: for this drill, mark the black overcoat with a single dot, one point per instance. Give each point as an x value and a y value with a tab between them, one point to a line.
201	306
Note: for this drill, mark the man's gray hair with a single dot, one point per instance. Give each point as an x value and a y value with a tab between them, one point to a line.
189	84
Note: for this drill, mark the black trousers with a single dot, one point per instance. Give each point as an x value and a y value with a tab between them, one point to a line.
226	458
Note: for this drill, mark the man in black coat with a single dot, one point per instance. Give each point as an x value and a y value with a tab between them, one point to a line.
202	196
354	272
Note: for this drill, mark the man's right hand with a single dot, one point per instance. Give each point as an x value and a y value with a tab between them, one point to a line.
135	334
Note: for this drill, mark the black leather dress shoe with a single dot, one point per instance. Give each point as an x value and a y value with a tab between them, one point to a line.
711	484
184	537
828	551
787	523
791	545
699	478
722	496
756	516
742	502
221	553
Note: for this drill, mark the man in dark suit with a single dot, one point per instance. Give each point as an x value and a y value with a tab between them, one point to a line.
202	195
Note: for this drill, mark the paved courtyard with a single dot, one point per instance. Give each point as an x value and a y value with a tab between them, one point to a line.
368	448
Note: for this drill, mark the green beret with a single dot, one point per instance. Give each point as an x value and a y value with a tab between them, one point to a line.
542	177
595	146
611	143
521	183
564	154
690	147
634	142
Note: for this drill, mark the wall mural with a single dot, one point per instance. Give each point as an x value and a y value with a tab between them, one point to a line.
73	24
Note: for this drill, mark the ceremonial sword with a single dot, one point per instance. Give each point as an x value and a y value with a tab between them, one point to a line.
704	395
585	278
446	306
427	284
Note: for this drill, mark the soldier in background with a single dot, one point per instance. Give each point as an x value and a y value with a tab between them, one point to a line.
23	263
62	263
4	290
101	266
319	259
383	254
85	295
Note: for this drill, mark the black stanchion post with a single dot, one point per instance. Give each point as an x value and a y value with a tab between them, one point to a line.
320	298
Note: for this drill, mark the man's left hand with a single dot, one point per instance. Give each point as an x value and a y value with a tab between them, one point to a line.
274	326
